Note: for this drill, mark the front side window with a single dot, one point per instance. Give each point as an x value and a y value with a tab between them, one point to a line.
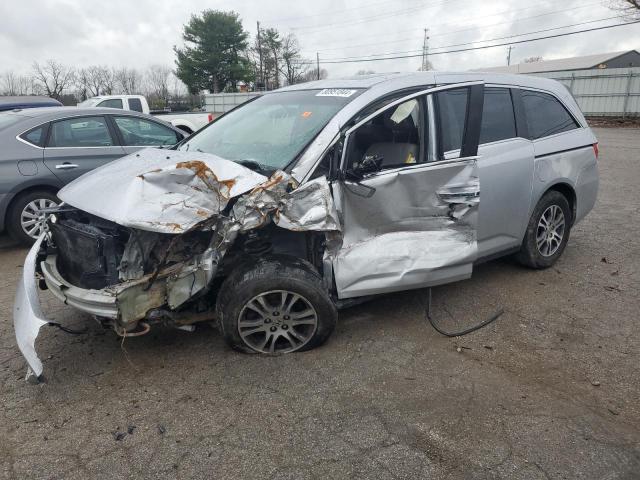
270	132
142	132
389	140
135	104
498	118
80	132
452	112
545	115
111	103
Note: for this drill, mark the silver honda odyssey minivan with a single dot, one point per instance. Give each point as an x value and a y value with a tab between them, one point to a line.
283	210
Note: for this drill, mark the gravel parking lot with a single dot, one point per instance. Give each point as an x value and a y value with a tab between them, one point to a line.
550	390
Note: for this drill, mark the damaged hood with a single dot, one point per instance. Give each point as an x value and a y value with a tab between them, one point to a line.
163	191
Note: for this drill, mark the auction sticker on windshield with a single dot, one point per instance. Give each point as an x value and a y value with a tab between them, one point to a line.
335	92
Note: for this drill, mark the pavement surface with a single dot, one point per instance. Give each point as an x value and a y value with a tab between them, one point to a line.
549	391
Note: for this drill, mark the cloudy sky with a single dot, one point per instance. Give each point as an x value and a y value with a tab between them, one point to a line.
143	32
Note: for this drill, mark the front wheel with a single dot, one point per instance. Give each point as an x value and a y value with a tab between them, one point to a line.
275	306
547	232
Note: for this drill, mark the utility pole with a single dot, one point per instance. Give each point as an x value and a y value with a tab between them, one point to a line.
509	55
425	51
318	64
260	56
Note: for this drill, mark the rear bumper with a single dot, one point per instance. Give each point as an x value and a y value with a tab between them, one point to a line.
586	190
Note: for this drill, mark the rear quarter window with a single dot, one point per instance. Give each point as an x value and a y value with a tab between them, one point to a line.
35	136
545	115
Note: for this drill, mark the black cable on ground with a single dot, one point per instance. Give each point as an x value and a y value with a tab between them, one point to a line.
67	329
484	323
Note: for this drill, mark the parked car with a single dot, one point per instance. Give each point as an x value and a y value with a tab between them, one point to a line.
188	122
43	149
27	101
292	205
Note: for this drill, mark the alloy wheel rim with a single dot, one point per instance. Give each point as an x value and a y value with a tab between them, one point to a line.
550	231
33	218
277	321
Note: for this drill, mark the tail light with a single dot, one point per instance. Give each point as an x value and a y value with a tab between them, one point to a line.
595	149
210	118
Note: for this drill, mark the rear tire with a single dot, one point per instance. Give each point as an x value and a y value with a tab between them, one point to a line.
275	305
22	222
547	232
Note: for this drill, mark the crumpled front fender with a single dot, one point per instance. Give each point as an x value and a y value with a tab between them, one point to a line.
27	314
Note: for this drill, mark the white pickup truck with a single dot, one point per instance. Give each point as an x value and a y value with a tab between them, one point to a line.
188	122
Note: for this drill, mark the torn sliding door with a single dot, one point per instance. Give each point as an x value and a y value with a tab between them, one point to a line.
417	229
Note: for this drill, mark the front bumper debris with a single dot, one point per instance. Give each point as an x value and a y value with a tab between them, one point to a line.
27	314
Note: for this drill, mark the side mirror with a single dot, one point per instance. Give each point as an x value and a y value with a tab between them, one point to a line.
369	164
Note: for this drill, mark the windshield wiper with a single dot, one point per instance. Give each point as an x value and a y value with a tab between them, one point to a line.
257	166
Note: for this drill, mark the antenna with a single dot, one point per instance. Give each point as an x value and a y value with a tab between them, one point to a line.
425	51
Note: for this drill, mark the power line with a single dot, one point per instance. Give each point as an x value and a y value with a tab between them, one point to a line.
335	12
482	41
451	32
482	47
373	18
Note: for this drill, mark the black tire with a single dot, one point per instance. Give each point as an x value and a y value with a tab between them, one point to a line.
13	224
274	274
529	254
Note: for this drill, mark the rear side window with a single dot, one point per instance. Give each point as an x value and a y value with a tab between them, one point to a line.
35	136
141	132
111	103
452	110
498	118
545	115
135	104
80	132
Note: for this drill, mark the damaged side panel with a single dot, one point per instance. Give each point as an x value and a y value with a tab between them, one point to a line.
417	229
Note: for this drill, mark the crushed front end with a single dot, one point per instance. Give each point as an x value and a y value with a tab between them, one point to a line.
157	251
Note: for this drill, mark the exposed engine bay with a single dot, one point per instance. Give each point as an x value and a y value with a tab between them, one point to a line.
177	274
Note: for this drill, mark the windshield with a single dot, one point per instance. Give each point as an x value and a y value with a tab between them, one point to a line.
270	132
90	102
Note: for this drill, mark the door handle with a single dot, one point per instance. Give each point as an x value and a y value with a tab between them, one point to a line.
452	196
66	166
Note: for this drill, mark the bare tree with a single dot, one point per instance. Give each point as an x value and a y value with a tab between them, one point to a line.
108	81
534	59
630	9
157	79
293	66
53	77
312	75
10	84
128	80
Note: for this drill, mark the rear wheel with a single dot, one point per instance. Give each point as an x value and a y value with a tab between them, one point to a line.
547	233
26	219
275	306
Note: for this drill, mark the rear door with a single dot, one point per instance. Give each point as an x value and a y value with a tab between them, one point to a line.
506	172
409	211
79	144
